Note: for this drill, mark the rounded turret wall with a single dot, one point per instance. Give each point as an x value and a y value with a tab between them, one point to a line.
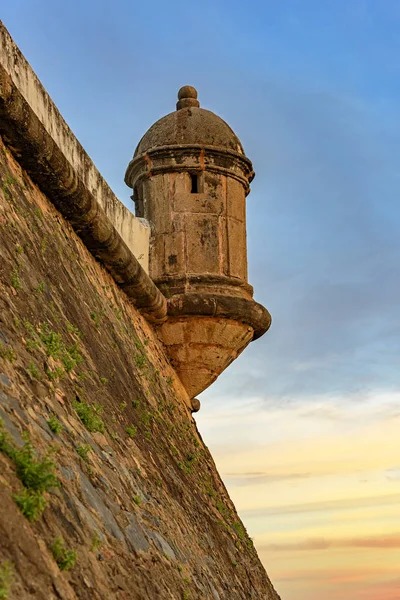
190	178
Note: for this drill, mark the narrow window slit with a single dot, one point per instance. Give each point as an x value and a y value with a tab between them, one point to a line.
195	186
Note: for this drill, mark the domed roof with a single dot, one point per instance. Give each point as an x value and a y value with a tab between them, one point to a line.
189	125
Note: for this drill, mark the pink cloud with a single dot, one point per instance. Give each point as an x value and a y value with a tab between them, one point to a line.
384	542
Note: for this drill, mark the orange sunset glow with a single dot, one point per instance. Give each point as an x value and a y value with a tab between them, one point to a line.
318	487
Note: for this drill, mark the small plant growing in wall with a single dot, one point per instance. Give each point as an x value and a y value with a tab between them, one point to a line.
95	318
96	542
30	503
90	416
83	451
6	579
54	425
33	371
131	430
36	474
7	353
71	358
73	329
52	342
64	557
10	180
57	373
39	289
146	418
15	279
238	527
140	360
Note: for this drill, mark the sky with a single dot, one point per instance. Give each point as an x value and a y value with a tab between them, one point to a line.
304	426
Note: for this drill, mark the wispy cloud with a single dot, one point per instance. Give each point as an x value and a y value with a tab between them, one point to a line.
384	542
336	505
393	474
341	575
245	479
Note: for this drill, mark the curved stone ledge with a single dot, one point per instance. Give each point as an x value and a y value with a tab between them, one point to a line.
46	164
195	157
242	310
218	284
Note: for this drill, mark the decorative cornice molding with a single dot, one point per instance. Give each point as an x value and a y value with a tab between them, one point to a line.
245	311
190	157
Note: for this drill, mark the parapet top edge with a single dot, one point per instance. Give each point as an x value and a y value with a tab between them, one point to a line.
31	89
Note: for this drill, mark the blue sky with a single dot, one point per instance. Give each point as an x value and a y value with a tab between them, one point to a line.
312	88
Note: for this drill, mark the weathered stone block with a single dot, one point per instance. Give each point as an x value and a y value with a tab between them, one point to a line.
237	249
180	183
235	199
156	265
174	332
156	198
174	257
202	241
223	246
197	203
201	348
178	222
135	535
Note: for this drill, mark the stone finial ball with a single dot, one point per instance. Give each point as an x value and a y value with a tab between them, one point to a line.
187	91
187	98
195	405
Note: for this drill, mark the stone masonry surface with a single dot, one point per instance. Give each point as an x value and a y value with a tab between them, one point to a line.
139	499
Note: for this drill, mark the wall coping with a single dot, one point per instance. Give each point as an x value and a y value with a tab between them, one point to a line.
67	187
134	232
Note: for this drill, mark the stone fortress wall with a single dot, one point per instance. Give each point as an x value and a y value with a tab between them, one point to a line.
107	490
